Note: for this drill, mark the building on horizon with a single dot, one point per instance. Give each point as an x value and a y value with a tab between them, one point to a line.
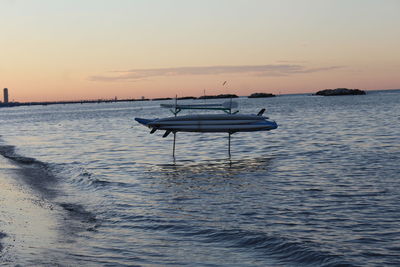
5	93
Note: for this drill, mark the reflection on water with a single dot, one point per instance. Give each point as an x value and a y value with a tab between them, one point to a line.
210	176
216	167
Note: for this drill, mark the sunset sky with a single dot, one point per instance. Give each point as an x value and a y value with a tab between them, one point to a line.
91	49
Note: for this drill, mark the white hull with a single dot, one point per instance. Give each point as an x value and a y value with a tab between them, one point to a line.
211	123
201	123
233	128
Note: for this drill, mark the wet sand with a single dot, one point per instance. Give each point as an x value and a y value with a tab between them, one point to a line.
26	222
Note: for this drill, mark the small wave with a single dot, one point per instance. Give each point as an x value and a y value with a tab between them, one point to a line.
8	151
283	250
2	235
78	175
80	214
78	211
45	178
34	172
279	248
104	183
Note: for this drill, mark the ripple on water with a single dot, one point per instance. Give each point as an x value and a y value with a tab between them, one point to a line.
321	190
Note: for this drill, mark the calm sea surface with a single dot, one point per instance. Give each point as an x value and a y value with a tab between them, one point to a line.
321	190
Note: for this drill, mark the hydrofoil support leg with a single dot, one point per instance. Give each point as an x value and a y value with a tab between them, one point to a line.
173	149
229	145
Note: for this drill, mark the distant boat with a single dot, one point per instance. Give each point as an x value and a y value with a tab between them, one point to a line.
209	123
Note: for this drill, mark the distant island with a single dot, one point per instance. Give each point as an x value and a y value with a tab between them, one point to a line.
259	95
340	91
218	96
114	100
326	92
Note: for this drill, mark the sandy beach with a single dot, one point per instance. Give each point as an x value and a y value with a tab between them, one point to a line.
25	218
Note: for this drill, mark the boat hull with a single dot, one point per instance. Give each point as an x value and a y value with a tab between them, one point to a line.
227	128
211	123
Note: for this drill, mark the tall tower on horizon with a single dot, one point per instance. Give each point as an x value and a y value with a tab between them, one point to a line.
5	92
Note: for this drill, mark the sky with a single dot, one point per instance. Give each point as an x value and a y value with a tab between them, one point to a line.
100	49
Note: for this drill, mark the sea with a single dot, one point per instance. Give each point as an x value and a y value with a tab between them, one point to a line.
323	189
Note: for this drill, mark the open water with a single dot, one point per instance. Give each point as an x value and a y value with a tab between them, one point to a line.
321	190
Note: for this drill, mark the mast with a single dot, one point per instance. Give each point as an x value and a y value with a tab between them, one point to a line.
175	113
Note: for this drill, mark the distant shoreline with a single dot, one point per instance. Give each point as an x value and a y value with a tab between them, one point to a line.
45	103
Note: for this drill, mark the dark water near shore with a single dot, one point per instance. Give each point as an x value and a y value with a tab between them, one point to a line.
321	190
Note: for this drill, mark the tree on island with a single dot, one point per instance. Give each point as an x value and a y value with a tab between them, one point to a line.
340	91
259	95
218	96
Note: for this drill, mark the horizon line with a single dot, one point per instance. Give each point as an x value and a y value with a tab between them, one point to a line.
143	98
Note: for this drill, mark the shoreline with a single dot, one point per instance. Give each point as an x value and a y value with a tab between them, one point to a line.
27	222
38	223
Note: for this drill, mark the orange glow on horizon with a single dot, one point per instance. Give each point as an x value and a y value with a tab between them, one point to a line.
63	50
